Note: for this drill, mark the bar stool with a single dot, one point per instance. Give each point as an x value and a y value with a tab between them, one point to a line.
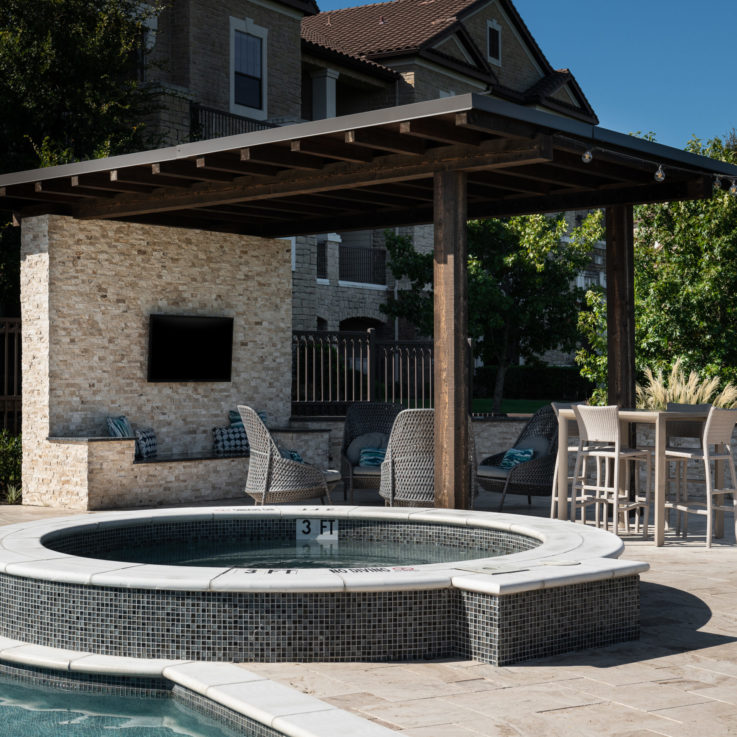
600	442
718	430
678	481
583	501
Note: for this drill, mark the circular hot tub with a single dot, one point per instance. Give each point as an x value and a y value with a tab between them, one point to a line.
345	583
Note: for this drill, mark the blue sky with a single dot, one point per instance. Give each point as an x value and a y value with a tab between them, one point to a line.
665	66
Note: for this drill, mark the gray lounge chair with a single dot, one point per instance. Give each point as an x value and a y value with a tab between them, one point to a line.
367	424
533	477
273	478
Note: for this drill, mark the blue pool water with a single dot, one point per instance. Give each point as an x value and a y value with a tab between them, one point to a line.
33	711
288	554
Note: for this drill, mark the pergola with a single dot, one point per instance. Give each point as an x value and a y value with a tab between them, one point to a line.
439	162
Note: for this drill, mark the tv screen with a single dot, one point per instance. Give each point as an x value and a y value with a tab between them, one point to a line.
189	348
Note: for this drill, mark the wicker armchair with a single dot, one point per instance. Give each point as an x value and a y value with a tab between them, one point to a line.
363	419
408	472
533	477
272	478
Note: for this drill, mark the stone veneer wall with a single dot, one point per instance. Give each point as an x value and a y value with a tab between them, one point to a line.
87	289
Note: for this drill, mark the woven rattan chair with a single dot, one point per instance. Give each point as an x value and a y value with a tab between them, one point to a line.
715	446
408	472
530	478
363	420
272	478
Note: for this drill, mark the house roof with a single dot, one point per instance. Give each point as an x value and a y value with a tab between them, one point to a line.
412	27
382	28
370	170
325	51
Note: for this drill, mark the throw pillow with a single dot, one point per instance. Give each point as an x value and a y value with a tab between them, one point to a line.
119	427
371	456
234	417
367	440
514	456
230	440
292	455
146	446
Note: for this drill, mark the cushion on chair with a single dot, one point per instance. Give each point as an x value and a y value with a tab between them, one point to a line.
119	427
538	443
146	446
514	456
367	440
371	456
292	455
228	440
492	472
235	419
366	471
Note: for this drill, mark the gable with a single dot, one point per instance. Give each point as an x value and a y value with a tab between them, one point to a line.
453	48
519	69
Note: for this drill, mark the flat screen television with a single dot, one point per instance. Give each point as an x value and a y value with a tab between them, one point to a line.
189	348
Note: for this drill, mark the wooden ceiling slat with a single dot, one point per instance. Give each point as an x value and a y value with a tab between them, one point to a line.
385	140
187	169
281	157
232	164
436	130
142	175
329	148
102	183
496	125
64	187
504	179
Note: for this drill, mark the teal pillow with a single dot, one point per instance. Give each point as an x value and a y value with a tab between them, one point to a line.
292	455
514	456
371	456
119	427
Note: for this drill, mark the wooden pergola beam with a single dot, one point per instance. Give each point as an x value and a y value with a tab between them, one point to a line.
620	278
452	481
388	170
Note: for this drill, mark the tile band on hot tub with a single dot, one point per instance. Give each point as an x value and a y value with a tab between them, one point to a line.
425	611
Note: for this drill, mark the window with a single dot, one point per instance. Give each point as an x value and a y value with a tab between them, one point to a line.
248	80
494	42
248	68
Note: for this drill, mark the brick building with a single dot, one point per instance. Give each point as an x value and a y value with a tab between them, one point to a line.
231	66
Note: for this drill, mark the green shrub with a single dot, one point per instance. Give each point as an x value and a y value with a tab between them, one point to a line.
10	462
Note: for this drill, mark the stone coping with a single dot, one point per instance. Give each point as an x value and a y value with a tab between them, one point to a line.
285	709
569	553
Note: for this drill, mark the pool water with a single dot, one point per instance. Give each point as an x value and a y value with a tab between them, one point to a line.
291	554
36	711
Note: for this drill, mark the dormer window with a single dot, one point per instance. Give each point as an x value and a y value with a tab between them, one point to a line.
248	68
494	42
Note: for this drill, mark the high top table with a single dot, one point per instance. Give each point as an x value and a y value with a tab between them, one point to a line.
658	418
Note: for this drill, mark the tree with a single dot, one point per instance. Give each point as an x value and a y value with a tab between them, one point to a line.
70	89
685	279
522	297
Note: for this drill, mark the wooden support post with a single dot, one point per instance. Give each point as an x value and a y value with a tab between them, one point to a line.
620	290
452	483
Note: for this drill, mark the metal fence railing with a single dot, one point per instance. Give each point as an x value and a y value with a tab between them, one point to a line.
332	369
207	122
10	379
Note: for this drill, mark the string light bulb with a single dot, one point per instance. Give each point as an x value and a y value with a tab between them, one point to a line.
659	175
717	182
587	157
733	188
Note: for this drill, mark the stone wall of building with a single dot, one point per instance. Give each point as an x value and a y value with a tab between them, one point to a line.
87	290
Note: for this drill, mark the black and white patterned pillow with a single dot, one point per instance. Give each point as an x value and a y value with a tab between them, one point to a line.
230	440
146	446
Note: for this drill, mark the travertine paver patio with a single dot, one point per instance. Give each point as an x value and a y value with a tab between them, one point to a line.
679	679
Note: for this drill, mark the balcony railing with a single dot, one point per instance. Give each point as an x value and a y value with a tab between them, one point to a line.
330	370
362	265
207	122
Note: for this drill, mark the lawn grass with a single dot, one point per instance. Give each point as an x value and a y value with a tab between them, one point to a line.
516	406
